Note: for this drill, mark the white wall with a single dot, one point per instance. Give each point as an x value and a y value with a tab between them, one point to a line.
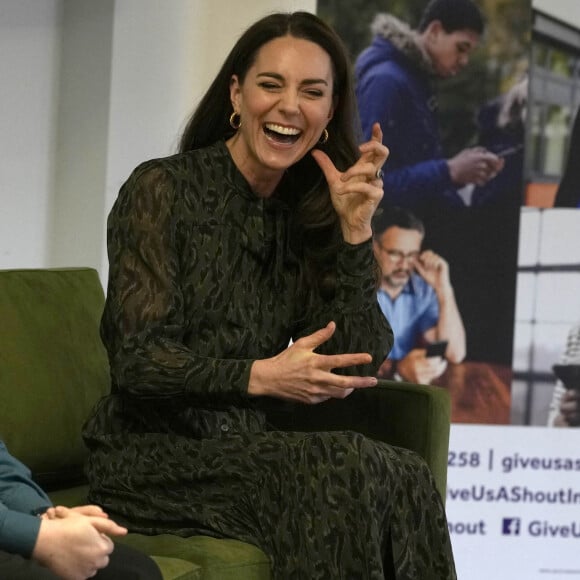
567	11
92	89
30	33
77	211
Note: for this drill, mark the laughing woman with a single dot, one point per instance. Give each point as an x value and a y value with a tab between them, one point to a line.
241	277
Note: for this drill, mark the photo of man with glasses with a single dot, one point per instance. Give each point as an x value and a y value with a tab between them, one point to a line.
417	298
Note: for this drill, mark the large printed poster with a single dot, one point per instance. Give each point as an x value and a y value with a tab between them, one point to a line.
512	245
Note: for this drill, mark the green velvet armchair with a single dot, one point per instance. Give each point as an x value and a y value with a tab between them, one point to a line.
53	368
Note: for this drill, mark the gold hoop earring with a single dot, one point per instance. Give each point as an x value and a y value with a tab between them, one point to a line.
235	124
324	137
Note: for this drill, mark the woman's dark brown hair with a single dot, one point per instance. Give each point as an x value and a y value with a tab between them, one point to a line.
316	222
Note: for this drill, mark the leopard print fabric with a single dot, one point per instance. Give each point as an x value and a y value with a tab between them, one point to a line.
203	281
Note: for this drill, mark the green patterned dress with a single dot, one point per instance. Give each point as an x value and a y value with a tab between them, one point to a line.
203	281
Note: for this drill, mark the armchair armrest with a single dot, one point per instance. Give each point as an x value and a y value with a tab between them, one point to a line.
416	417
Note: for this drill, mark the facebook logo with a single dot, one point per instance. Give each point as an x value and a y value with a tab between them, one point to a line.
511	526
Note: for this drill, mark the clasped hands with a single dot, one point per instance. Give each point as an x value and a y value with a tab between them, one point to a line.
74	543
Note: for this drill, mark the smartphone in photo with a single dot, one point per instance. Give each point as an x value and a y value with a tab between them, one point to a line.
436	348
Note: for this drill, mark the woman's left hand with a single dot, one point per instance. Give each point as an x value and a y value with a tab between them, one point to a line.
356	193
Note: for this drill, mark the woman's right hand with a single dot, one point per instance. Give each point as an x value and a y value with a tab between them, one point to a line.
299	374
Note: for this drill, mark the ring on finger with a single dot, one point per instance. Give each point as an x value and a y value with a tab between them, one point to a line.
379	174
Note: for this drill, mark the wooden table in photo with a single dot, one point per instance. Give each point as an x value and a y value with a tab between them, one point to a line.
480	392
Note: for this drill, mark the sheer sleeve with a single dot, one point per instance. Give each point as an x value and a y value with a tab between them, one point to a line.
143	325
360	324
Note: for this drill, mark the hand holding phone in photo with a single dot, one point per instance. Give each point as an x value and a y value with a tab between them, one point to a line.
436	348
569	374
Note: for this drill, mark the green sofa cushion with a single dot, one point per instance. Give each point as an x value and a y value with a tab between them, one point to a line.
53	367
175	569
219	559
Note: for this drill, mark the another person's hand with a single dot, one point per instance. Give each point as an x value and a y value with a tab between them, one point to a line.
569	409
356	193
434	270
75	546
476	165
299	374
417	368
86	510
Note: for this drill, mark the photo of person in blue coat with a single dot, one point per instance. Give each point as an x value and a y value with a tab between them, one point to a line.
447	81
394	77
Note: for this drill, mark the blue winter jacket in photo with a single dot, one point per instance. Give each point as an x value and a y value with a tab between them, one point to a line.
393	88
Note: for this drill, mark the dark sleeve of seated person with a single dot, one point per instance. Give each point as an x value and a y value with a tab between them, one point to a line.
40	542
